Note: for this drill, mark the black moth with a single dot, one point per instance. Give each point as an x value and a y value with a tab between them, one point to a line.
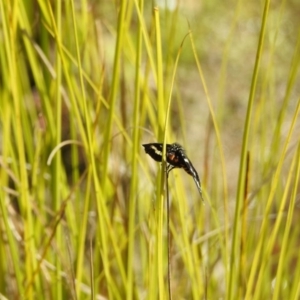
175	157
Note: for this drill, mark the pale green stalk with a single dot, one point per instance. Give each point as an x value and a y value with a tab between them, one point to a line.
102	210
134	167
295	63
295	288
274	235
56	176
276	138
5	151
221	151
189	257
83	236
147	42
234	267
20	158
263	231
159	255
114	88
285	243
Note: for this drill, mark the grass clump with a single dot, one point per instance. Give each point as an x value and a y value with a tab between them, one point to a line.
83	209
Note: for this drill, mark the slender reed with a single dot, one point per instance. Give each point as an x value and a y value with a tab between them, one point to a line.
169	235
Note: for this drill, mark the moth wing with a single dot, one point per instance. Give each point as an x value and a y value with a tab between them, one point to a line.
155	150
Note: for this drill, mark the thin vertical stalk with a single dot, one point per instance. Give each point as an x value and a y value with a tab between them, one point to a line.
233	279
82	234
244	213
262	235
134	175
164	167
57	160
114	87
8	112
169	236
15	90
221	151
161	178
285	243
295	63
104	222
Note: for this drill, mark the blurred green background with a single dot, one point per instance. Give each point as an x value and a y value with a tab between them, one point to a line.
84	84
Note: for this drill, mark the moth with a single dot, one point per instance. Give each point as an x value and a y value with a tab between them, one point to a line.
176	158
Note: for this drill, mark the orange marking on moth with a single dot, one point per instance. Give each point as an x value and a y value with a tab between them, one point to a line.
172	157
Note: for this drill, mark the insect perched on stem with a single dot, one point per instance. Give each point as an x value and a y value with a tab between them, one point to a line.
175	157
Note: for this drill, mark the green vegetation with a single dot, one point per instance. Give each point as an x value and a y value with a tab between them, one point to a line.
83	208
